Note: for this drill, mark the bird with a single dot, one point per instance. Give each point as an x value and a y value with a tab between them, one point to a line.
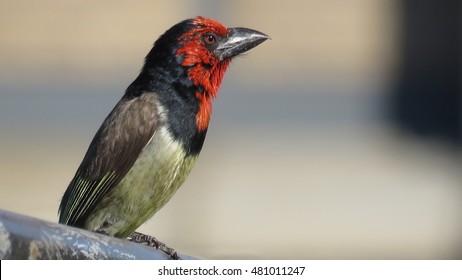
147	145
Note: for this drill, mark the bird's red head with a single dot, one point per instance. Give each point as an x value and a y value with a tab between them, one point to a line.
202	50
206	68
207	49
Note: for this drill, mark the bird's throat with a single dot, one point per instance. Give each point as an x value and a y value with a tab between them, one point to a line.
205	111
209	80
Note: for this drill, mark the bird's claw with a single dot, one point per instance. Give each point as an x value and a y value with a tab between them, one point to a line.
151	241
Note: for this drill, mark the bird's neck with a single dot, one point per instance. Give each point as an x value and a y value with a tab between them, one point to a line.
208	80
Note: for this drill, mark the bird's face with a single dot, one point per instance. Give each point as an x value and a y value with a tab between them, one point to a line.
198	45
206	49
199	52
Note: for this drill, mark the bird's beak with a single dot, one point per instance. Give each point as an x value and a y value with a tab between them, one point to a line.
239	40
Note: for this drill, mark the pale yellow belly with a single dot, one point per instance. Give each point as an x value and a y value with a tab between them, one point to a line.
153	179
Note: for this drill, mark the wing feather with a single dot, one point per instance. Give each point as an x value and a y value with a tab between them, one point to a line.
112	152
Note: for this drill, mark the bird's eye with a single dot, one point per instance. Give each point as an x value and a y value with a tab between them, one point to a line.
210	39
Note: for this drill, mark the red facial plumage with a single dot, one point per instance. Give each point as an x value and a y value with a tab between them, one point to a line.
206	70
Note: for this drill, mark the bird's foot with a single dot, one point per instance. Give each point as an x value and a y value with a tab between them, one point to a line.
102	231
151	241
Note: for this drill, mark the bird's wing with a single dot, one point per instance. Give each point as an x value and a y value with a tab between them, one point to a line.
112	152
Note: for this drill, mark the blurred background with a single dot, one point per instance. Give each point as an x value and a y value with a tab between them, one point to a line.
338	139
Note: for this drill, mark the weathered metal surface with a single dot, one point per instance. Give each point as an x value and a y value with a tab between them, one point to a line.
23	237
